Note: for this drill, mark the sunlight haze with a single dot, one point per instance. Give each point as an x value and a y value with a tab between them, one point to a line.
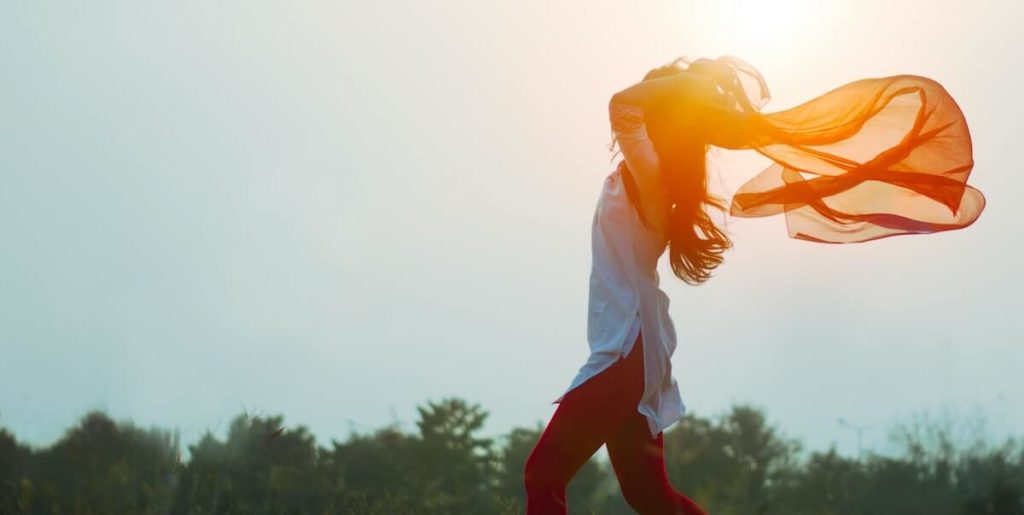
337	211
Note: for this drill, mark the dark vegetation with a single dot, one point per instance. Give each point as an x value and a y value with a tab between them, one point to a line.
734	464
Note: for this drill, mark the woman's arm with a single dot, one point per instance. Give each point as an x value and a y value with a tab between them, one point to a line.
691	99
679	88
642	162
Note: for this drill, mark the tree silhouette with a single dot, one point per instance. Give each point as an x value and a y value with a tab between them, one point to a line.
261	468
734	464
98	466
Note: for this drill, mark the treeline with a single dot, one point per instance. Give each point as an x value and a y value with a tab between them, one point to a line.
734	464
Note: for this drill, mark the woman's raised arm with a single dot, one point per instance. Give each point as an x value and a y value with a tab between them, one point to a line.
691	101
678	88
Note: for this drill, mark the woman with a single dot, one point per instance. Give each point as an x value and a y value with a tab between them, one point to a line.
887	156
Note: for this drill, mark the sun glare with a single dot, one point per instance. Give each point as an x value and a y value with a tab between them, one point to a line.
769	26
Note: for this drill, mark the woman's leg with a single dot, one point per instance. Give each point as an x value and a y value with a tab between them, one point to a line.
639	465
583	421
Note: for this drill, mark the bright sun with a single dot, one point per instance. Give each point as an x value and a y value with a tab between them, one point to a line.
769	25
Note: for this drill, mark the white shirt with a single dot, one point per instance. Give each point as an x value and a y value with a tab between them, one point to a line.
624	293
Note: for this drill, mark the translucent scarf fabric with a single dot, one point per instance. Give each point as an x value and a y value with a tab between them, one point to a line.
869	159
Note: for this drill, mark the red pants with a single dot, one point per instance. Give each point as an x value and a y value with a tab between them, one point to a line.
603	410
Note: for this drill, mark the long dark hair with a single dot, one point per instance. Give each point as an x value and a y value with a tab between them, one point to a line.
696	244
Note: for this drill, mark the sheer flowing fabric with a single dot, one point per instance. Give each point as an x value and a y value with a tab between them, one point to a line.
873	158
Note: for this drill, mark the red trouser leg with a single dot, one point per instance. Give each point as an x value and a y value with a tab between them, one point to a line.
639	463
603	410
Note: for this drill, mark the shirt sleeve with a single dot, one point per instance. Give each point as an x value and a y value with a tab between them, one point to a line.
627	123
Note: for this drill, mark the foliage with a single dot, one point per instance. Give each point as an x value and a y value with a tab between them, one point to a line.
737	463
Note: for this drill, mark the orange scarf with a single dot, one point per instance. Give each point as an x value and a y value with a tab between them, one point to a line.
869	159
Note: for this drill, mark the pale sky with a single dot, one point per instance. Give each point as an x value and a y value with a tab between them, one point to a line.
337	211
